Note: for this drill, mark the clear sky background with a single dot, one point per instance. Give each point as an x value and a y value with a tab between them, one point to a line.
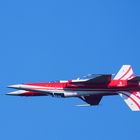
44	40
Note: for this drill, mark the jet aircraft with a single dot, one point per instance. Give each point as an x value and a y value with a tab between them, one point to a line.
91	89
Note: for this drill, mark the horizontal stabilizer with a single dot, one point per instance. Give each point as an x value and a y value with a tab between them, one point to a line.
132	99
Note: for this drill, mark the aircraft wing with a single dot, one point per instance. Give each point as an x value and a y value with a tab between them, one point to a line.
100	78
92	99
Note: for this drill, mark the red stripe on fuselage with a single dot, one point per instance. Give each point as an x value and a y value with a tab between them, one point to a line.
88	89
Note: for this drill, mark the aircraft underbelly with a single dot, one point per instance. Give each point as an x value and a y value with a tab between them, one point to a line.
82	93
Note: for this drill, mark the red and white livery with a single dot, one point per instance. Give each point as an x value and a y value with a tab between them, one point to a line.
90	89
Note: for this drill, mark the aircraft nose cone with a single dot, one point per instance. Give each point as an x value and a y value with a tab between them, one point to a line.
11	93
14	86
19	92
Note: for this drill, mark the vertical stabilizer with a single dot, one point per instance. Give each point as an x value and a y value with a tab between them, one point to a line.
125	73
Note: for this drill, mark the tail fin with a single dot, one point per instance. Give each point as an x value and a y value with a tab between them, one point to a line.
125	73
132	99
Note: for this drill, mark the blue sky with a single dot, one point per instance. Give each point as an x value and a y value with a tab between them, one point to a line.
51	40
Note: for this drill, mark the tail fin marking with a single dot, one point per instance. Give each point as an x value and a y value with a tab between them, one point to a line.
124	73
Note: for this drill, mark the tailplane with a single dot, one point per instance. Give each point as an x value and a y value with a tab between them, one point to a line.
132	99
